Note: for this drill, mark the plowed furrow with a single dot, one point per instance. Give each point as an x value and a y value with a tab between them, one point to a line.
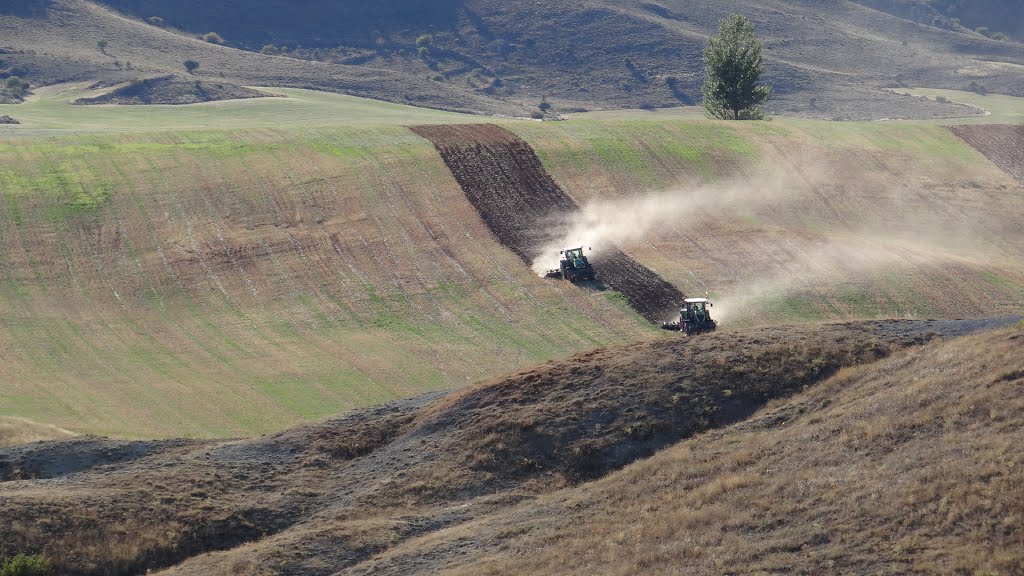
524	207
1002	144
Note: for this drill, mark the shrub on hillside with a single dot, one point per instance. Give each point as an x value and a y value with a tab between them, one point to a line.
155	20
213	38
191	66
15	86
25	565
425	40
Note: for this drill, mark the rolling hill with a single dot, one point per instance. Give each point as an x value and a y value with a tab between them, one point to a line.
746	450
505	57
233	268
247	327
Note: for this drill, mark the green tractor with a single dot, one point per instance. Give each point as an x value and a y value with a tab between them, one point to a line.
573	266
694	317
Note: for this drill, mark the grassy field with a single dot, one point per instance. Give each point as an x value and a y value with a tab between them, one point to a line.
217	283
233	268
999	109
49	112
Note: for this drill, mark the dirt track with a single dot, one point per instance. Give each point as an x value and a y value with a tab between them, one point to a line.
506	183
1002	144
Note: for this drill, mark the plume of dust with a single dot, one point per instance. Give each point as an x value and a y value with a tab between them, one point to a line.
839	261
603	224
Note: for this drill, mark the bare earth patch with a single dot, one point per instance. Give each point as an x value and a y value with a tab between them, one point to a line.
1003	145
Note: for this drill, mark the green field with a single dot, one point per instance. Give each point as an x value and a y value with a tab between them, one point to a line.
49	112
999	109
232	268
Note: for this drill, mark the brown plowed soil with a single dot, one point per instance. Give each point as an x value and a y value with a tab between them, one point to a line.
1002	144
524	207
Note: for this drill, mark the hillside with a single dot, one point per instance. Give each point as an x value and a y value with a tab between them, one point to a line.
469	479
58	42
912	464
505	57
992	17
286	259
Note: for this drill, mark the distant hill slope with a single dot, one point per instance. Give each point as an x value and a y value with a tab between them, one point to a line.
826	60
467	479
60	44
997	16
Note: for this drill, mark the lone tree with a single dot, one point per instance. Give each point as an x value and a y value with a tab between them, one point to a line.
191	66
733	67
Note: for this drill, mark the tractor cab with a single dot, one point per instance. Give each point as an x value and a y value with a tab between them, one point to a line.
696	310
572	266
575	255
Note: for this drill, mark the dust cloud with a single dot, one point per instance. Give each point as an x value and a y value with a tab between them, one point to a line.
847	261
621	222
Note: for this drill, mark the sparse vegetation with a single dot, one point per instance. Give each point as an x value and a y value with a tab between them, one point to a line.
14	87
733	66
977	88
102	46
191	66
213	38
25	565
425	40
270	49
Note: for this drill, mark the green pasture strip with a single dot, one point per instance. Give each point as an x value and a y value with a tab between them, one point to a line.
1001	109
651	154
51	112
931	143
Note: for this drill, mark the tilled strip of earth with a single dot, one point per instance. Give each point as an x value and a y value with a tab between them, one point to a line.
1002	144
505	181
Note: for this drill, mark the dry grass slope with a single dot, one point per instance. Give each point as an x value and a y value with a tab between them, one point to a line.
395	488
15	431
799	458
911	464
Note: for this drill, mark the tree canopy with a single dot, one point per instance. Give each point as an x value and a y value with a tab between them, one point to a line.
733	68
